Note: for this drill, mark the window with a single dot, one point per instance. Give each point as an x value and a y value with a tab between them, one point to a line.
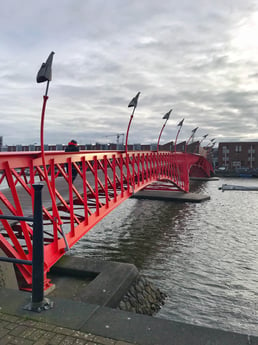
238	148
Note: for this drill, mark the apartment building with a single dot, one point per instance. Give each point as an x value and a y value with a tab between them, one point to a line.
238	155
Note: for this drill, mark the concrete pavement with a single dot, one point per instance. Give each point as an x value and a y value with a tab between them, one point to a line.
74	322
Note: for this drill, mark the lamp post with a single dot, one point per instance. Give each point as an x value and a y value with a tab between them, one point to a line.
45	75
166	117
180	125
191	137
204	137
133	104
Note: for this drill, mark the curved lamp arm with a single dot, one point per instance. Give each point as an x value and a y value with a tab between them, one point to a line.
191	136
133	104
166	116
180	125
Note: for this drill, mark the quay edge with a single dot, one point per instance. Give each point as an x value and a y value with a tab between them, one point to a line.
108	325
114	326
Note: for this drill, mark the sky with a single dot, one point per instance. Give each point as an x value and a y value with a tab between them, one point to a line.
199	58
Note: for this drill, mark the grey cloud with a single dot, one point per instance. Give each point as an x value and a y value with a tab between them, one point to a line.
179	55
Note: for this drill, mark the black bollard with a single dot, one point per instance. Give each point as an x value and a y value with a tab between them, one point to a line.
38	248
38	302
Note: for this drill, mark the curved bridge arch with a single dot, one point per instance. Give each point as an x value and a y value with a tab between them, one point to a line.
71	208
201	168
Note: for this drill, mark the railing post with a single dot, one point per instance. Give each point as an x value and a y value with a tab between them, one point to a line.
38	302
38	248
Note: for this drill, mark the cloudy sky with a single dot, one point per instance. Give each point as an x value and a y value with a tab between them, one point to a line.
198	57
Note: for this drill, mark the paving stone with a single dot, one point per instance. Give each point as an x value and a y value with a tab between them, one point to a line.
6	339
10	318
35	335
28	323
80	342
49	335
20	341
28	332
64	331
18	330
3	331
85	336
57	339
104	341
45	326
5	324
41	342
68	341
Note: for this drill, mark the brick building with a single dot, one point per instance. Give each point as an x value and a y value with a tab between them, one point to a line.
238	155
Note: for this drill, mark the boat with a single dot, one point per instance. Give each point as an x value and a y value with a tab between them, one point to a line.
234	187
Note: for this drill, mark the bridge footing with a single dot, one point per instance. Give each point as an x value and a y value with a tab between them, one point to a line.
106	283
8	277
170	195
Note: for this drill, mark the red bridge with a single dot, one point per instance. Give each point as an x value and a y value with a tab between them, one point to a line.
71	208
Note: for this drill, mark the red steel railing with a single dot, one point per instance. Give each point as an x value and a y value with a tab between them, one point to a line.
71	208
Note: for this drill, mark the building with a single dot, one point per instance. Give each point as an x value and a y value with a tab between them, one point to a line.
238	155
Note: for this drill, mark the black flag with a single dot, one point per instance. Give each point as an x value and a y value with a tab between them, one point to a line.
134	101
45	72
181	123
166	116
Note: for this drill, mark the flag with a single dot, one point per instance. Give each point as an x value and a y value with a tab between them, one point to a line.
166	116
194	130
45	72
134	101
181	123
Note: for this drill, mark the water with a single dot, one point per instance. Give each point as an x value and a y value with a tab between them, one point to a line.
203	256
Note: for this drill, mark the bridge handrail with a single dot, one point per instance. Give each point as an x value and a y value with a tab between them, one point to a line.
86	186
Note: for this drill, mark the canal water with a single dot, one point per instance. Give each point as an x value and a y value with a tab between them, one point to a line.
204	256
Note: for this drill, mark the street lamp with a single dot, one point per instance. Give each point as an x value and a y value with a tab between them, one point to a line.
191	137
133	104
180	125
45	75
204	137
166	117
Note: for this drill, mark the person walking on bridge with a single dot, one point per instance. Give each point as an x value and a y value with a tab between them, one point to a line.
72	147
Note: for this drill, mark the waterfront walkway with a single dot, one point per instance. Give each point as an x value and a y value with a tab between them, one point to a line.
23	331
72	322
